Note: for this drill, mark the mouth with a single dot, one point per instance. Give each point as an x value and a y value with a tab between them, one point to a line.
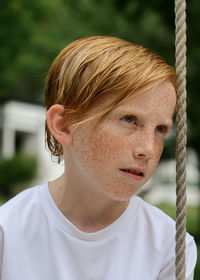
135	173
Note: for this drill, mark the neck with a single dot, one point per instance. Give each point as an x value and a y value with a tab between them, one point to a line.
88	210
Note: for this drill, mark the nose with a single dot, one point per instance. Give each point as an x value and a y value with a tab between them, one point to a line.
145	145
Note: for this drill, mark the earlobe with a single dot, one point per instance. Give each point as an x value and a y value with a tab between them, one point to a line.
56	122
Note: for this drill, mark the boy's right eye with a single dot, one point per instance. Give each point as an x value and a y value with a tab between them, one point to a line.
130	119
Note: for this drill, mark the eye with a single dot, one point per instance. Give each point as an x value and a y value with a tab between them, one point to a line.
129	119
162	129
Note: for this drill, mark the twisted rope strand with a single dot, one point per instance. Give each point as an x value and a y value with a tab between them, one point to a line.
181	131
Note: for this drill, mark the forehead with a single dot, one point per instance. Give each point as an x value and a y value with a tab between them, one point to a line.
163	96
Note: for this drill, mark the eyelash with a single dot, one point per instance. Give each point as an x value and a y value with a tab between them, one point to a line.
163	128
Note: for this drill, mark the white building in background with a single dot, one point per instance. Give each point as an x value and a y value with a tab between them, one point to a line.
22	128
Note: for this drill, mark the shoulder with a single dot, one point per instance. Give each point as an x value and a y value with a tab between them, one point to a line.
152	226
159	225
153	216
19	207
157	230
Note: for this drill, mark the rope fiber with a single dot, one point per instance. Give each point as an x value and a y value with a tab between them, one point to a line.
181	138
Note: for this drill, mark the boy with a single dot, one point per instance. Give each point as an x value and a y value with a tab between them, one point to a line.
110	104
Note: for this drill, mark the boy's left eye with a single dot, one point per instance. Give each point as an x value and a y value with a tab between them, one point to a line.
162	129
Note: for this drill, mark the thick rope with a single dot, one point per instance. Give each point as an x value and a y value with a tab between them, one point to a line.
181	130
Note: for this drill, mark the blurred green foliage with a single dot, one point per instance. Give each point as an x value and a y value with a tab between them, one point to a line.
16	171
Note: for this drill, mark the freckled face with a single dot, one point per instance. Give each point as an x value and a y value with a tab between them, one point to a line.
132	135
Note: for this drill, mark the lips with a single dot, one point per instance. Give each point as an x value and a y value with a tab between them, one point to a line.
135	171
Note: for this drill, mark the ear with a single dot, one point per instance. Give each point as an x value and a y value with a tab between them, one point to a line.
59	128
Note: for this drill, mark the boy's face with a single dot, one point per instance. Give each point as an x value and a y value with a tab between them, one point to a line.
131	136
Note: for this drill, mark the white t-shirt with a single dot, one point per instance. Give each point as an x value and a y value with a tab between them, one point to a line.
37	242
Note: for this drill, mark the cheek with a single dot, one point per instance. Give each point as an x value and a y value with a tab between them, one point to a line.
158	151
102	151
